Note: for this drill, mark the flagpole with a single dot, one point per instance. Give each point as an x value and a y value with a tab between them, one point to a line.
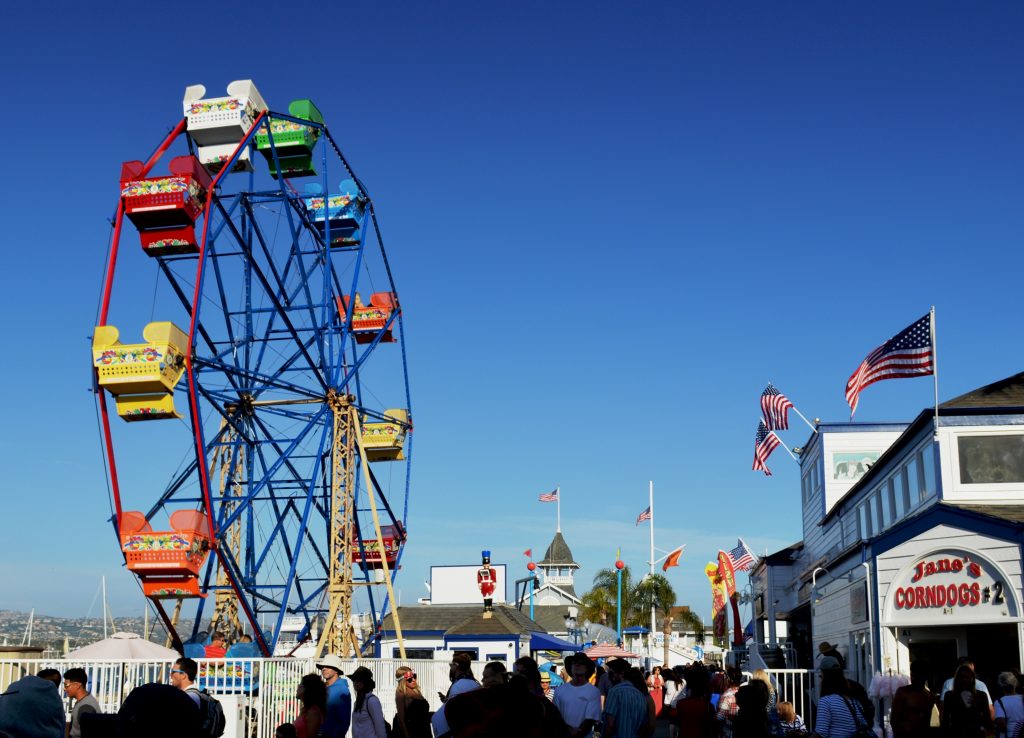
760	420
650	637
796	411
558	507
935	372
804	419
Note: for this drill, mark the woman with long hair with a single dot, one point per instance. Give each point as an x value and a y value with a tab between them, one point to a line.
966	712
839	713
694	715
655	686
412	719
312	696
367	714
761	675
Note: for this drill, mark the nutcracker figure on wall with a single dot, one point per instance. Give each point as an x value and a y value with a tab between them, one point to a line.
486	579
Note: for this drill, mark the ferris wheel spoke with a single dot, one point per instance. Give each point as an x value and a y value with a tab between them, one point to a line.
265	381
273	296
256	486
282	278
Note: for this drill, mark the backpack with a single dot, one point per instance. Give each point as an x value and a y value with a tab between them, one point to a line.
213	721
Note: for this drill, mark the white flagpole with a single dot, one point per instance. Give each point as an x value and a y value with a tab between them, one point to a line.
935	372
650	639
761	420
804	419
558	506
795	410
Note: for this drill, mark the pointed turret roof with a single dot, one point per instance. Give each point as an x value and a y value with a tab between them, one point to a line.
558	553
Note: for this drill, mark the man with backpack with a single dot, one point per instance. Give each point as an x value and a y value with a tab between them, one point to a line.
211	714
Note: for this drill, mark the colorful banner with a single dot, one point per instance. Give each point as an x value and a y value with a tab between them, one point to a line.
726	572
718	600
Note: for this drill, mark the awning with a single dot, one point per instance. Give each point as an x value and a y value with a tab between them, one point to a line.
547	642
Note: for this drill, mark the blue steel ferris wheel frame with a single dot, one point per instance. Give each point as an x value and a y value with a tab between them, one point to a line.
266	373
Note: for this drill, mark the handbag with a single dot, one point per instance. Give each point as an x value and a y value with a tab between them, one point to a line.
863	729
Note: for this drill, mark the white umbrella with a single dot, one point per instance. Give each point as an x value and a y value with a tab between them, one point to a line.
123	646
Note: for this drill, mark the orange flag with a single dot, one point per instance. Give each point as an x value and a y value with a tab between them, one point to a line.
673	559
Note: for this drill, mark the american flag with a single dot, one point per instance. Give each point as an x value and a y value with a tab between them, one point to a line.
549	496
742	557
764	443
775	408
645	515
907	354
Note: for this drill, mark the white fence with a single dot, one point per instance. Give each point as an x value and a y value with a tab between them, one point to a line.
259	694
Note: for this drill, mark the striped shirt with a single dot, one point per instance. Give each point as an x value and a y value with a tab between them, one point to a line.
835	719
628	705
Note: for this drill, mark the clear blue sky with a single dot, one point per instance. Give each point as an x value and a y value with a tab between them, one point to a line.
610	224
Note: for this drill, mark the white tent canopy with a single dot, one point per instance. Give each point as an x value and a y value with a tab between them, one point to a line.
123	646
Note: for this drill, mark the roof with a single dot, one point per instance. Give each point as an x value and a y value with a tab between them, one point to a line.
442	618
504	620
1005	393
549	617
1002	397
1011	513
558	553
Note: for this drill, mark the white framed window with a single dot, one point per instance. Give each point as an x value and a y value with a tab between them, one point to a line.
888	503
913	480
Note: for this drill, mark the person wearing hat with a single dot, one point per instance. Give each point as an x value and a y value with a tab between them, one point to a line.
339	697
367	713
828	649
578	700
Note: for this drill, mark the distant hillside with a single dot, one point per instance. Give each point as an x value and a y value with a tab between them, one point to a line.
50	631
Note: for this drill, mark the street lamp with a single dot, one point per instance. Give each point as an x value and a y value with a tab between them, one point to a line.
570	624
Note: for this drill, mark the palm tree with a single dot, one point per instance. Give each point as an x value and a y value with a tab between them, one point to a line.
692	621
654	593
597	606
600	602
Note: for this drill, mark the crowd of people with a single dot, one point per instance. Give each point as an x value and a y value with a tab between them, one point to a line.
614	700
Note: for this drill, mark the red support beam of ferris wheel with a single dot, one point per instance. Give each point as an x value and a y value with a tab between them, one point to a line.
108	284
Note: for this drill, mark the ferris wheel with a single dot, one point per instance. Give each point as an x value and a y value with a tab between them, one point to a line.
263	471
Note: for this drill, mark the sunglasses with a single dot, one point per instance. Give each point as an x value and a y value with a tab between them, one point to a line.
177	671
408	677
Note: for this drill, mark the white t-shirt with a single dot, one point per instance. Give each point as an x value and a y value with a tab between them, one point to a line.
578	703
978	685
1011	707
459	686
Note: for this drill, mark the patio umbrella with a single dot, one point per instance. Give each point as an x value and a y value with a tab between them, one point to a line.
608	651
123	646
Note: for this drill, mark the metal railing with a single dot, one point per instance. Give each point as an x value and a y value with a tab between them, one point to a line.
257	694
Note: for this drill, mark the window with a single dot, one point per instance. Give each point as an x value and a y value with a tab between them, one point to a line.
888	503
413	653
913	481
903	490
805	485
864	520
876	509
928	456
991	459
502	657
897	489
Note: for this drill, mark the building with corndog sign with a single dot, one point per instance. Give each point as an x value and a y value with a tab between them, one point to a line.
912	543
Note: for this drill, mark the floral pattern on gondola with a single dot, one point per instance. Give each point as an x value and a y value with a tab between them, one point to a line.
130	356
157	542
